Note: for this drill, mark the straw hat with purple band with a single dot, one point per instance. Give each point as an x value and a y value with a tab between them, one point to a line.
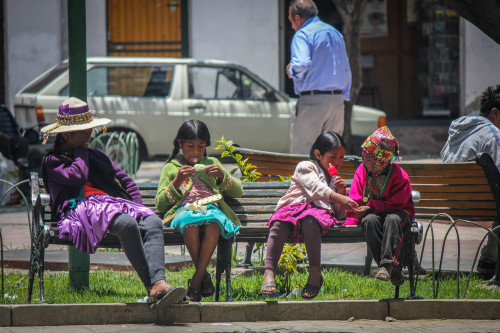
74	115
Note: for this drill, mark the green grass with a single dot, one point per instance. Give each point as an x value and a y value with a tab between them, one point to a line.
123	287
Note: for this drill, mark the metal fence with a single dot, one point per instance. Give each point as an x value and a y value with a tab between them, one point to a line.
121	147
453	226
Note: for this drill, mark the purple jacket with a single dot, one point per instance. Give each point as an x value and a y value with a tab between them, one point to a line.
66	177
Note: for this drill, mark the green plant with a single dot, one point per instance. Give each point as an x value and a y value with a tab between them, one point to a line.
248	171
285	179
260	249
287	265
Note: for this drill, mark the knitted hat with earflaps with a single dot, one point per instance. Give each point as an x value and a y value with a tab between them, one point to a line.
383	146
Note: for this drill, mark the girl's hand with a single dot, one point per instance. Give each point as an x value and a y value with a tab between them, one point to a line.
363	211
214	170
184	173
348	204
339	182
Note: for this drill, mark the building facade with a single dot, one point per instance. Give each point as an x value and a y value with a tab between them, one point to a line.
417	62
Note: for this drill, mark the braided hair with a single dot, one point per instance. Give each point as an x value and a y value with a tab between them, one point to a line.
190	130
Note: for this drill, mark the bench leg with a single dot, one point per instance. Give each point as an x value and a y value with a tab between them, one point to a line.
396	292
218	270
368	262
37	258
224	251
228	244
413	270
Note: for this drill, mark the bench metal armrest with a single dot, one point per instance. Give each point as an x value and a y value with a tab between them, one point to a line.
44	199
415	196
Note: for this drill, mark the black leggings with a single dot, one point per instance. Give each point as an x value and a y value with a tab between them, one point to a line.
143	245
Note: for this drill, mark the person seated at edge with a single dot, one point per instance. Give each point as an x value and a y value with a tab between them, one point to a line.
314	202
383	191
469	136
90	196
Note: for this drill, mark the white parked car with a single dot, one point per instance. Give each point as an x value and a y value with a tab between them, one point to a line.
154	96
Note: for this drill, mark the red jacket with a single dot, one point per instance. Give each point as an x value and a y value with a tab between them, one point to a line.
397	195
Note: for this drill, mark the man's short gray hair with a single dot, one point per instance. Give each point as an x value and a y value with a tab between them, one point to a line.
304	8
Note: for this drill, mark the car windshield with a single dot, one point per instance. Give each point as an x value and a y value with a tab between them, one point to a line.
140	81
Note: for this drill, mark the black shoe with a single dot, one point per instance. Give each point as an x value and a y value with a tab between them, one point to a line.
485	269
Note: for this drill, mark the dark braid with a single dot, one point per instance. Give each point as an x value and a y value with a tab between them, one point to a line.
175	151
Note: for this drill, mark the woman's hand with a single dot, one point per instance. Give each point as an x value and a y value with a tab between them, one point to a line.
339	182
214	170
184	173
363	211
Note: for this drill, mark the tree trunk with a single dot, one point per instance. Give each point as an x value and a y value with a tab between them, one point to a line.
351	19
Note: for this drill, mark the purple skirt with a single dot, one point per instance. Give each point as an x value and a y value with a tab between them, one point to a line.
87	223
294	213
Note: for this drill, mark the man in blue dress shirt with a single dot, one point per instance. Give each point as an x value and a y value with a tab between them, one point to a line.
321	76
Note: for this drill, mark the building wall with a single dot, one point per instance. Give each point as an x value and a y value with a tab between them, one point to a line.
479	66
33	41
242	31
96	28
36	38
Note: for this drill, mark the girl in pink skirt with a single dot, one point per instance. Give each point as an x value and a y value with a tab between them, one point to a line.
315	200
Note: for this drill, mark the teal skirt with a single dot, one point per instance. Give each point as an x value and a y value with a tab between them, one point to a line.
213	214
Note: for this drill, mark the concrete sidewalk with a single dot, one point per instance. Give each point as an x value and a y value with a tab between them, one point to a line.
440	325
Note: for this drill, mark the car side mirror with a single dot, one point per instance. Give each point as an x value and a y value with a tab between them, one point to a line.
271	95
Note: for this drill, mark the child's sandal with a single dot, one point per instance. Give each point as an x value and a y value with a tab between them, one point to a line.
384	273
207	286
193	294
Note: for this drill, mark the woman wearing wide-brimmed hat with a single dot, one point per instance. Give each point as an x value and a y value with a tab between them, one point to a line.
90	195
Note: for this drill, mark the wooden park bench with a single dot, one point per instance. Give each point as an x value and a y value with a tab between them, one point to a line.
466	190
254	210
463	190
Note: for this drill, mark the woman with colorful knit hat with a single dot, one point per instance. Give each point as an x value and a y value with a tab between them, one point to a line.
90	196
383	191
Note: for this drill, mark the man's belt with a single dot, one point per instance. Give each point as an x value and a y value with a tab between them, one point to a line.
321	92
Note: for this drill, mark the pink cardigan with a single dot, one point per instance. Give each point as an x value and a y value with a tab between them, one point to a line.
397	195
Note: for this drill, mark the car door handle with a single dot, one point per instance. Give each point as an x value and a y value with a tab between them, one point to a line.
197	106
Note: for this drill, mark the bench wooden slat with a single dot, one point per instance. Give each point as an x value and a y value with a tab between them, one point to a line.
480	204
450	188
457	196
459	211
261	209
449	180
412	167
